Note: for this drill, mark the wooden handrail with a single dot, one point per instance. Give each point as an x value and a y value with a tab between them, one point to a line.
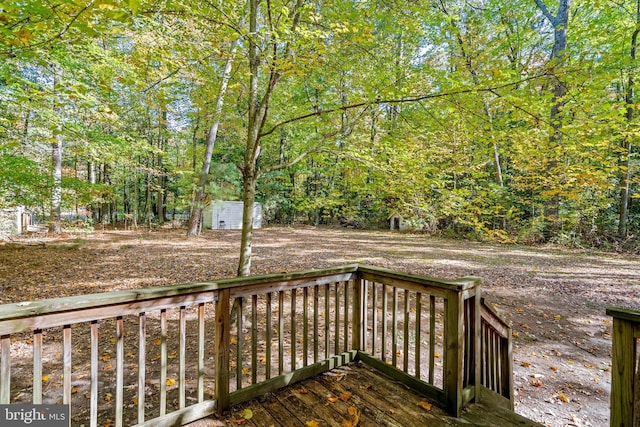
428	336
625	368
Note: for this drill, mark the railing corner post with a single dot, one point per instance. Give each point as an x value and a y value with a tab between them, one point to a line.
623	356
454	357
222	340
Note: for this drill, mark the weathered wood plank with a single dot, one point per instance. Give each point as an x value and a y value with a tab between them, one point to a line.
222	338
5	369
254	339
269	336
163	362
93	405
37	367
201	348
142	352
182	416
623	357
66	360
182	357
453	357
268	386
119	370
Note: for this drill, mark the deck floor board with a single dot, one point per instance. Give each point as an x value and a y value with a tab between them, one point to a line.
334	399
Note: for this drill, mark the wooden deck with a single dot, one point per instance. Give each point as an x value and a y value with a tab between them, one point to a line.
356	395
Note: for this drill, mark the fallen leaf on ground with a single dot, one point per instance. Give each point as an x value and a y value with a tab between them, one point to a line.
247	414
312	423
332	399
425	405
345	396
171	382
562	397
303	390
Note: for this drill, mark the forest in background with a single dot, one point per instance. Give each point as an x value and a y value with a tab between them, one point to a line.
488	119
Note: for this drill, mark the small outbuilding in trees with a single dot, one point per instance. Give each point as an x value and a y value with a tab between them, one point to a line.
14	221
225	215
397	222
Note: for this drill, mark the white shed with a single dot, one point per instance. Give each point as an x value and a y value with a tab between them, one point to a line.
224	215
13	221
397	222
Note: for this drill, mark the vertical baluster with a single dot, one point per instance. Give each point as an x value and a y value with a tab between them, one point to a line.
394	328
268	338
119	370
327	303
94	375
37	366
336	327
182	357
222	338
346	316
5	369
66	370
365	301
315	323
201	342
374	318
254	339
432	336
163	362
305	326
240	323
280	332
418	349
407	315
142	350
498	365
385	301
293	329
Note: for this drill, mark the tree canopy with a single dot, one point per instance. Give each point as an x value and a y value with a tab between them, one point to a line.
512	121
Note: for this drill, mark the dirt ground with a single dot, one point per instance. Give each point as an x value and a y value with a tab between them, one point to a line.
554	298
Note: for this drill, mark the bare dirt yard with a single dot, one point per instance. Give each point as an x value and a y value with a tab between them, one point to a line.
555	298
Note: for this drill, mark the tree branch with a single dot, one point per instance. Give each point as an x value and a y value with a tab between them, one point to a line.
545	12
416	98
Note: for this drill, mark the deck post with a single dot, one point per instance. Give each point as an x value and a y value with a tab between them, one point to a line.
624	393
222	340
454	357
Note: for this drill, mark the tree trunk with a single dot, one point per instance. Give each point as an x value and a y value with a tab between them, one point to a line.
559	22
195	219
625	170
55	218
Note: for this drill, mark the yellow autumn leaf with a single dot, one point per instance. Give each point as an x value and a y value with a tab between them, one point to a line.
74	390
332	399
134	400
247	414
106	368
437	355
345	396
105	358
170	382
108	397
562	397
425	405
45	378
312	423
157	341
352	410
87	395
233	340
525	364
245	371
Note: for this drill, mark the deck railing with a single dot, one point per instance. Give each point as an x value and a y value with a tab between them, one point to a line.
625	369
172	355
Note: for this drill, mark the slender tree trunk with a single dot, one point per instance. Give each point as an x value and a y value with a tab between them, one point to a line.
195	219
257	114
559	22
55	218
625	170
